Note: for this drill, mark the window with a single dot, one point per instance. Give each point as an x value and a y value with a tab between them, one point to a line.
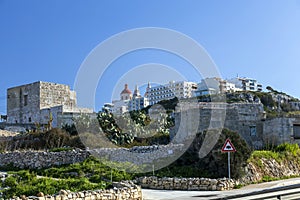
252	130
25	100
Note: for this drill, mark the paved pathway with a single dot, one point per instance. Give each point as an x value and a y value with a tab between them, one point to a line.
201	195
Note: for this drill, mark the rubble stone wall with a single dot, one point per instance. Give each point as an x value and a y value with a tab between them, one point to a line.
123	191
136	155
40	159
197	184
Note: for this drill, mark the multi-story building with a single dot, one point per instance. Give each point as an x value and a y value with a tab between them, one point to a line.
137	102
41	102
179	89
214	85
247	84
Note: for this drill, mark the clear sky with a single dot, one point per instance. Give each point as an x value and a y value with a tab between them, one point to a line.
48	40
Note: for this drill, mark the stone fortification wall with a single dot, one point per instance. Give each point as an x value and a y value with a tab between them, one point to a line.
23	103
53	94
198	184
240	117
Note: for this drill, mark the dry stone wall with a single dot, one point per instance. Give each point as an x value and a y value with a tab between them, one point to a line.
40	159
136	155
270	168
121	191
140	155
198	184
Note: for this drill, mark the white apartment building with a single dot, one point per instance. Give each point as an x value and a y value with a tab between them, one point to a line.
179	89
138	103
247	84
214	85
120	106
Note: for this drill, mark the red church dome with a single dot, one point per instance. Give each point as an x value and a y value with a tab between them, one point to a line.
126	90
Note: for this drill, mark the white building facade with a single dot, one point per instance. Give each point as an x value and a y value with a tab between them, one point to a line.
247	84
210	86
179	89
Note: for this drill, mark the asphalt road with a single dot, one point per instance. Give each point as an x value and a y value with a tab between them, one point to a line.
199	195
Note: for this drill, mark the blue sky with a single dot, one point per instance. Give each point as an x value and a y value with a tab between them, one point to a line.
49	40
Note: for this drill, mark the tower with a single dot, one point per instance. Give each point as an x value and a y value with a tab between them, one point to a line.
136	93
147	90
126	93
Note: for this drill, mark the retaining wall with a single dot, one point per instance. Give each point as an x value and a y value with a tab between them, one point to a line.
198	184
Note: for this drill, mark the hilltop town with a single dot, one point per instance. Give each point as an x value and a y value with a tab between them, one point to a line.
259	117
173	130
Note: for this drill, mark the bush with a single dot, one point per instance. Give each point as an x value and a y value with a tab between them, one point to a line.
214	164
286	147
256	155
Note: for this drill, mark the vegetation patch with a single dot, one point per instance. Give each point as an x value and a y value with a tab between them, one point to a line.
27	183
89	175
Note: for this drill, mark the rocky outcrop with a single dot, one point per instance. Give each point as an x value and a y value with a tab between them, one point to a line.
198	184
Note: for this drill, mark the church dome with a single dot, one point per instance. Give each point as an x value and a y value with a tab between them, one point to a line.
126	90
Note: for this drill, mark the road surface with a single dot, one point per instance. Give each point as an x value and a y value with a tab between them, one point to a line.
206	195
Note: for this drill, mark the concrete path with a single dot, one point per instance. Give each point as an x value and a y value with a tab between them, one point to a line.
201	195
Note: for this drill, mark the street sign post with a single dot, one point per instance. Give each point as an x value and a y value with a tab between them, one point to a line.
228	147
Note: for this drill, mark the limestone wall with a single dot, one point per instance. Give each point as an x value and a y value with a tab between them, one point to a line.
53	94
39	159
278	130
270	168
238	117
201	184
135	155
23	103
141	155
121	191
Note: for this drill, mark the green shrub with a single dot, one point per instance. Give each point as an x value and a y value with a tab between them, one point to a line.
269	178
238	186
286	147
61	149
256	155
